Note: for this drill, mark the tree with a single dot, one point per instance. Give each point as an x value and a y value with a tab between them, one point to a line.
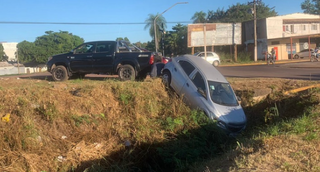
47	45
3	56
240	13
161	23
176	40
120	39
311	6
199	17
216	16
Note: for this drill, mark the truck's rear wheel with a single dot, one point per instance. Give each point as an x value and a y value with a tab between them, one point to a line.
126	72
60	73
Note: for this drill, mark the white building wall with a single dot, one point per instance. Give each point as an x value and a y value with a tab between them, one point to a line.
274	28
10	49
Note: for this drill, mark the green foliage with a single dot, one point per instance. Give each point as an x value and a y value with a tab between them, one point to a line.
120	39
47	45
176	40
3	56
199	17
150	24
81	119
271	113
311	6
239	13
244	57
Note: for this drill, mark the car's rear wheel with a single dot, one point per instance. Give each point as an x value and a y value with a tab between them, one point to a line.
126	72
60	73
216	63
166	78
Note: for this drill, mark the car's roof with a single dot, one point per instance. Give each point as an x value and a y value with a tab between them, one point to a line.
207	69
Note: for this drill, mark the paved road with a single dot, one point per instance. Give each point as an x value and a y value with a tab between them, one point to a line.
301	70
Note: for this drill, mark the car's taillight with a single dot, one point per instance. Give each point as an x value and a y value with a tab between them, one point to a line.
151	61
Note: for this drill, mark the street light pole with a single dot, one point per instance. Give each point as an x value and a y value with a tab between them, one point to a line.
154	24
255	30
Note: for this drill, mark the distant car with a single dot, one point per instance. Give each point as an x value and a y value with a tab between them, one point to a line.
303	53
203	87
212	57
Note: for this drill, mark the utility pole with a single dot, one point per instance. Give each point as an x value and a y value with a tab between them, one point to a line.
18	62
205	40
255	30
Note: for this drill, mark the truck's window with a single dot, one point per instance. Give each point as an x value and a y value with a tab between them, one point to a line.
104	47
85	48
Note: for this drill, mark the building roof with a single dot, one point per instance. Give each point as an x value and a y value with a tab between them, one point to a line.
297	16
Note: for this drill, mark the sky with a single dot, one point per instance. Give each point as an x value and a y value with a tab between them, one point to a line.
134	12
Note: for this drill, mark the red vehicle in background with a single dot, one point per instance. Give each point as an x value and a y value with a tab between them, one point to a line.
165	60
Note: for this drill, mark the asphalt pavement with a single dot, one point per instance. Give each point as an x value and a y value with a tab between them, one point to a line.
300	63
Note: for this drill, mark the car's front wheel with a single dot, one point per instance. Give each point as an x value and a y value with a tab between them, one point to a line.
166	78
126	72
60	73
296	57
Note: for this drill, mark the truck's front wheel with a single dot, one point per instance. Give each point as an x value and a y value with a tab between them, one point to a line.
126	72
60	73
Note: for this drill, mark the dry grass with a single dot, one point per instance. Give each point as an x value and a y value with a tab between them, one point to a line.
74	125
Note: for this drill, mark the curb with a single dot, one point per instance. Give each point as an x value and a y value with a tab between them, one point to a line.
301	89
264	63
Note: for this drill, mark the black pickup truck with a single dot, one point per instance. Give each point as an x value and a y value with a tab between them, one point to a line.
102	57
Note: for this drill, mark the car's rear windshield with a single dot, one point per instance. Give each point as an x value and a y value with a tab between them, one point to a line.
222	93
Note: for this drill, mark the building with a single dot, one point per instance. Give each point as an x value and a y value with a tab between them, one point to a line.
287	34
10	48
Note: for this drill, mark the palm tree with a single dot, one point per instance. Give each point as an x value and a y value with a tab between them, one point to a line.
199	17
161	22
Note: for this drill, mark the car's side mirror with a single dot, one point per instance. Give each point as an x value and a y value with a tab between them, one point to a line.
202	92
239	99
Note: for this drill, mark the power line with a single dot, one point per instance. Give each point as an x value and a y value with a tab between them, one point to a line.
71	23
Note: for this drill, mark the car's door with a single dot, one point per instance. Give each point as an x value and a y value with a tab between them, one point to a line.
102	59
180	73
195	91
81	59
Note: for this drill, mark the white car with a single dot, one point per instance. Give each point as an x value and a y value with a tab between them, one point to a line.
212	57
203	87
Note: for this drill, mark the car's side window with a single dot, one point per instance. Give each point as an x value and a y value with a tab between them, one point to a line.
199	82
210	55
186	66
85	48
104	47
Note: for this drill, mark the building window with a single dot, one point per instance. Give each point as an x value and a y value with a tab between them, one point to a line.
303	27
287	28
314	27
275	42
292	28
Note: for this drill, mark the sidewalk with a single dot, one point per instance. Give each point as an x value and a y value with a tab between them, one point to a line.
277	62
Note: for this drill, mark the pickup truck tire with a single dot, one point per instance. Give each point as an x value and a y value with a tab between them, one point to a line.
126	72
60	73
